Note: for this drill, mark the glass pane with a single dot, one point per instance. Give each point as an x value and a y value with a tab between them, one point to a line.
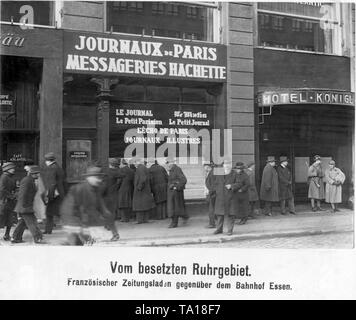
162	19
305	9
194	95
132	92
155	93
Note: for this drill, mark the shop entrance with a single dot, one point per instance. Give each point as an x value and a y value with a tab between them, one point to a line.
300	132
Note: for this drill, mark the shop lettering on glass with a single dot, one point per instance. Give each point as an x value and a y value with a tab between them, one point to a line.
7	106
79	155
306	97
132	56
11	39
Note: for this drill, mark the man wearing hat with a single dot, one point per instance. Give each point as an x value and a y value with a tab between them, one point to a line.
252	190
242	197
142	201
159	181
53	179
269	185
285	186
334	180
7	198
84	209
175	193
126	181
111	186
210	192
316	191
25	207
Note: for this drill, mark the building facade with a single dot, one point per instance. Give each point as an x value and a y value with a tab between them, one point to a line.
87	73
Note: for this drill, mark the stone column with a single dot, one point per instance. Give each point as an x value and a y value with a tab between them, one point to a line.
103	113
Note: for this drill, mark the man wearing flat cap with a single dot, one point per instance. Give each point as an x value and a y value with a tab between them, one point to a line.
252	191
269	185
111	186
126	186
316	190
210	192
7	198
84	209
25	207
175	193
285	186
53	179
242	196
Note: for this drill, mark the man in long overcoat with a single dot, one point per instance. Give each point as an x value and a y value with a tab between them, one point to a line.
210	192
53	179
334	180
175	193
126	186
84	209
7	198
285	186
225	186
242	196
252	191
159	181
25	207
269	185
316	191
111	186
142	201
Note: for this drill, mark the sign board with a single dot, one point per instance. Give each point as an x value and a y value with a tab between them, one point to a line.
77	159
284	97
136	56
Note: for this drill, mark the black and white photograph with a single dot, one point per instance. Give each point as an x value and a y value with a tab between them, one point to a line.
195	128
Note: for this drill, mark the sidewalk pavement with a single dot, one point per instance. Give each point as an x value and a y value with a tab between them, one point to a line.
157	233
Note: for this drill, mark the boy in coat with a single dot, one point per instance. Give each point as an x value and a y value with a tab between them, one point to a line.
285	186
126	182
7	198
175	193
111	186
210	192
242	196
53	179
269	185
252	191
24	207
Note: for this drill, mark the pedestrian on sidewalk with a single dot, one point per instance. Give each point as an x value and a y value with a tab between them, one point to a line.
175	193
210	192
252	191
111	186
225	186
242	196
84	211
285	186
334	180
7	198
53	179
159	181
126	185
25	207
269	185
316	191
142	202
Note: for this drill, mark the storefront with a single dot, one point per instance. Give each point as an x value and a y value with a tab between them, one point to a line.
31	94
127	95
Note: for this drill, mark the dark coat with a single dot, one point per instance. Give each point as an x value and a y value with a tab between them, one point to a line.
175	197
142	196
284	183
225	202
7	199
159	181
252	191
84	206
126	182
111	189
209	184
26	196
269	184
242	194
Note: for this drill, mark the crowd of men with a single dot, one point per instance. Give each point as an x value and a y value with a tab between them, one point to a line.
143	189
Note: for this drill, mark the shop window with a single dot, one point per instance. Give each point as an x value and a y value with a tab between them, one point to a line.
199	22
29	12
156	93
315	27
132	92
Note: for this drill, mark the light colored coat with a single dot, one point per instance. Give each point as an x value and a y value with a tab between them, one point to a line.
333	191
316	184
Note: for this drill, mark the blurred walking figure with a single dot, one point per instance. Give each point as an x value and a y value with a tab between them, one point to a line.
252	191
316	190
334	180
142	202
269	185
53	179
210	192
84	211
242	195
285	186
25	207
126	181
175	193
7	198
159	181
